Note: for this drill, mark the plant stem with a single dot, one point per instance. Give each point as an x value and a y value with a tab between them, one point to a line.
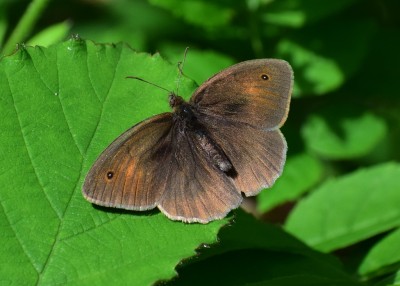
25	25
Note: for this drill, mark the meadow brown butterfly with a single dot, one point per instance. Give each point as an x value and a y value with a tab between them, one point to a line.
195	162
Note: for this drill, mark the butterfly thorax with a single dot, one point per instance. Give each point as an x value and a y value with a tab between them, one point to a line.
186	121
182	110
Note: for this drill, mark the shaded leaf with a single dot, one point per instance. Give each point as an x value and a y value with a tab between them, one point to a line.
386	45
349	209
384	254
134	22
201	13
339	136
296	13
3	23
301	172
311	64
251	252
391	280
321	62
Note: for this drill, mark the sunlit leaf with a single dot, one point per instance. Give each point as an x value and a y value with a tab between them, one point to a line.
61	106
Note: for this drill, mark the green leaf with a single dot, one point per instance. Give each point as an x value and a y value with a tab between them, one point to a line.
396	282
340	136
200	13
301	172
61	106
390	280
250	251
384	254
51	35
349	209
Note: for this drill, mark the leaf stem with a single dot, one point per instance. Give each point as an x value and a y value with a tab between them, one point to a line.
25	25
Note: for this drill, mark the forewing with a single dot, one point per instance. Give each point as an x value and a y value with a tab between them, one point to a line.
127	174
255	92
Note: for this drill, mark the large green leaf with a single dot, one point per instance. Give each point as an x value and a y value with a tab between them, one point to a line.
61	106
349	209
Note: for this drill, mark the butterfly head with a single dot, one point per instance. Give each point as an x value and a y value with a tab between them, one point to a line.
175	101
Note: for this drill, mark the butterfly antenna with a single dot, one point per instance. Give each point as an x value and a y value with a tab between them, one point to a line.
138	78
180	68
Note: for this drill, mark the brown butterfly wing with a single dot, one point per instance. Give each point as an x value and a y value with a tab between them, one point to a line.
132	163
257	155
196	191
242	108
156	163
255	92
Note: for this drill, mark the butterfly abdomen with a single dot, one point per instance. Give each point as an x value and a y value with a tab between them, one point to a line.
213	152
187	115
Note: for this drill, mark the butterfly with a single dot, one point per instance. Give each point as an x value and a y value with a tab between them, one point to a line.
195	162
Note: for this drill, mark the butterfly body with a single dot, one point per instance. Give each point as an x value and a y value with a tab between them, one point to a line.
195	162
185	118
